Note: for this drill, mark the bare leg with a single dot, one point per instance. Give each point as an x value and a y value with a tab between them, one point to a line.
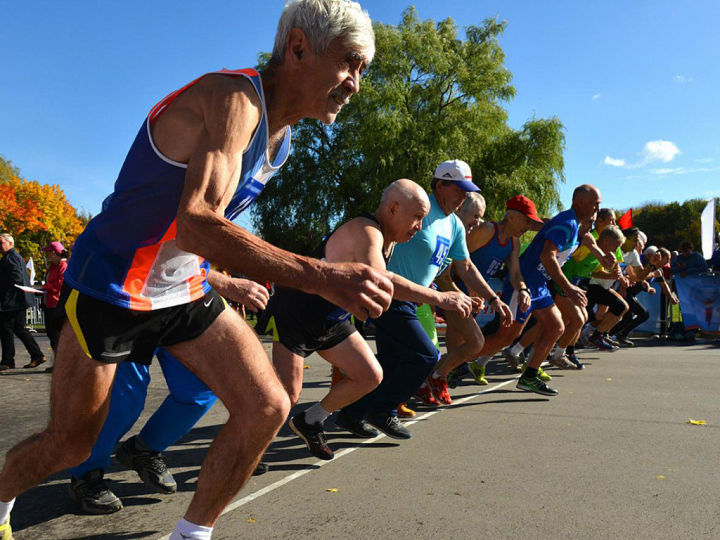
362	372
501	339
453	338
573	317
529	337
230	359
609	320
79	401
289	367
469	350
599	314
550	329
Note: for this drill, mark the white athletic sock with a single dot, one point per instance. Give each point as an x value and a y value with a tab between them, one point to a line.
516	349
5	508
184	530
558	352
482	361
316	414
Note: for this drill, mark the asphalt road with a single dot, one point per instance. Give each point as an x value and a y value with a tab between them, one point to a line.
613	456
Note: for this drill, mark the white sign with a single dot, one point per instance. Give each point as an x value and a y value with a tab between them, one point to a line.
707	224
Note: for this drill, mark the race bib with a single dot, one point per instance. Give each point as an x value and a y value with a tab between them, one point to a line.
442	247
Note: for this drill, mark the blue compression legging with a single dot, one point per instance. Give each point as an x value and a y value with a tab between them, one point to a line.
188	401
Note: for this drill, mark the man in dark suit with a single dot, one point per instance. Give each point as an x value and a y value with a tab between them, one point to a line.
13	303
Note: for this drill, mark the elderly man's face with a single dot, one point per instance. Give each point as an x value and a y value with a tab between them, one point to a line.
408	218
588	205
333	78
449	196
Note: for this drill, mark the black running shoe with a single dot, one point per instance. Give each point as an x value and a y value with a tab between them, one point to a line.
313	435
261	468
359	428
390	425
456	375
534	384
575	360
92	494
149	465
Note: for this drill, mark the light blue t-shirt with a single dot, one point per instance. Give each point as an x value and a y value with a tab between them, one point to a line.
441	236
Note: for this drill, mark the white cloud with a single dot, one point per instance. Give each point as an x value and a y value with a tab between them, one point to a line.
652	152
704	160
613	162
683	170
596	97
682	79
664	151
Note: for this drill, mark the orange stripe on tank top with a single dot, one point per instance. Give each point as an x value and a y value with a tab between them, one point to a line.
140	269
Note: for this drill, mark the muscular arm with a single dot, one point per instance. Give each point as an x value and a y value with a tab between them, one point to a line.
229	117
367	247
474	280
606	259
516	278
243	291
548	257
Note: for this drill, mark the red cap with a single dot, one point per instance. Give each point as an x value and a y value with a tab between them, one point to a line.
525	206
55	247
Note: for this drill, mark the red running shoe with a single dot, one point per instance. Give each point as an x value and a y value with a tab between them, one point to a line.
425	395
439	388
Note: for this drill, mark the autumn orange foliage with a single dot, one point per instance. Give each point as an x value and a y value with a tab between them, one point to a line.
36	214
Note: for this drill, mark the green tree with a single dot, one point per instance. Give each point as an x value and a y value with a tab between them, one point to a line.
428	96
669	225
7	170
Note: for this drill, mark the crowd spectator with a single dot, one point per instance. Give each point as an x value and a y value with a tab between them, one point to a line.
56	257
13	305
688	262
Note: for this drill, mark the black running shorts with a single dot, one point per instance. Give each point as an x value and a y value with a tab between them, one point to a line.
597	294
113	334
305	323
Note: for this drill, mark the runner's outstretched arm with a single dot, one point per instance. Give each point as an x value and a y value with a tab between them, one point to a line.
212	175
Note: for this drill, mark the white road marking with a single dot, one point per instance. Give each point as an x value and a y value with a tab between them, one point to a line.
320	463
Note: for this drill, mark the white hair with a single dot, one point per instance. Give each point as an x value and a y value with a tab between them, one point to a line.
650	251
322	21
472	201
8	238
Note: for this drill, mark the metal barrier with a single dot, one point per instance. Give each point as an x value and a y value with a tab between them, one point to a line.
34	316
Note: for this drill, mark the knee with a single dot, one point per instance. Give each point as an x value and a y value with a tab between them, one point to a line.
75	448
375	377
269	409
476	340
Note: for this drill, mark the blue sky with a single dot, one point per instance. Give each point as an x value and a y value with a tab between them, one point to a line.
634	82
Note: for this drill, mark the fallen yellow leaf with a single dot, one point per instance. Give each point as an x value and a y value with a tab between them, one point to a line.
609	379
332	490
697	422
306	366
660	477
250	520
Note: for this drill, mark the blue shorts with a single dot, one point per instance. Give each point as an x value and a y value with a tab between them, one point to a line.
540	298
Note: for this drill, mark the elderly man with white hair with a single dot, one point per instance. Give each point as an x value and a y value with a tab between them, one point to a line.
137	279
13	303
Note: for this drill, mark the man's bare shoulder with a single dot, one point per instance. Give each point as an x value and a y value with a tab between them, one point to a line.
480	236
218	92
358	229
226	107
356	235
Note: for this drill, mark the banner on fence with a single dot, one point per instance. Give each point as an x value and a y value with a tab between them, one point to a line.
700	301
